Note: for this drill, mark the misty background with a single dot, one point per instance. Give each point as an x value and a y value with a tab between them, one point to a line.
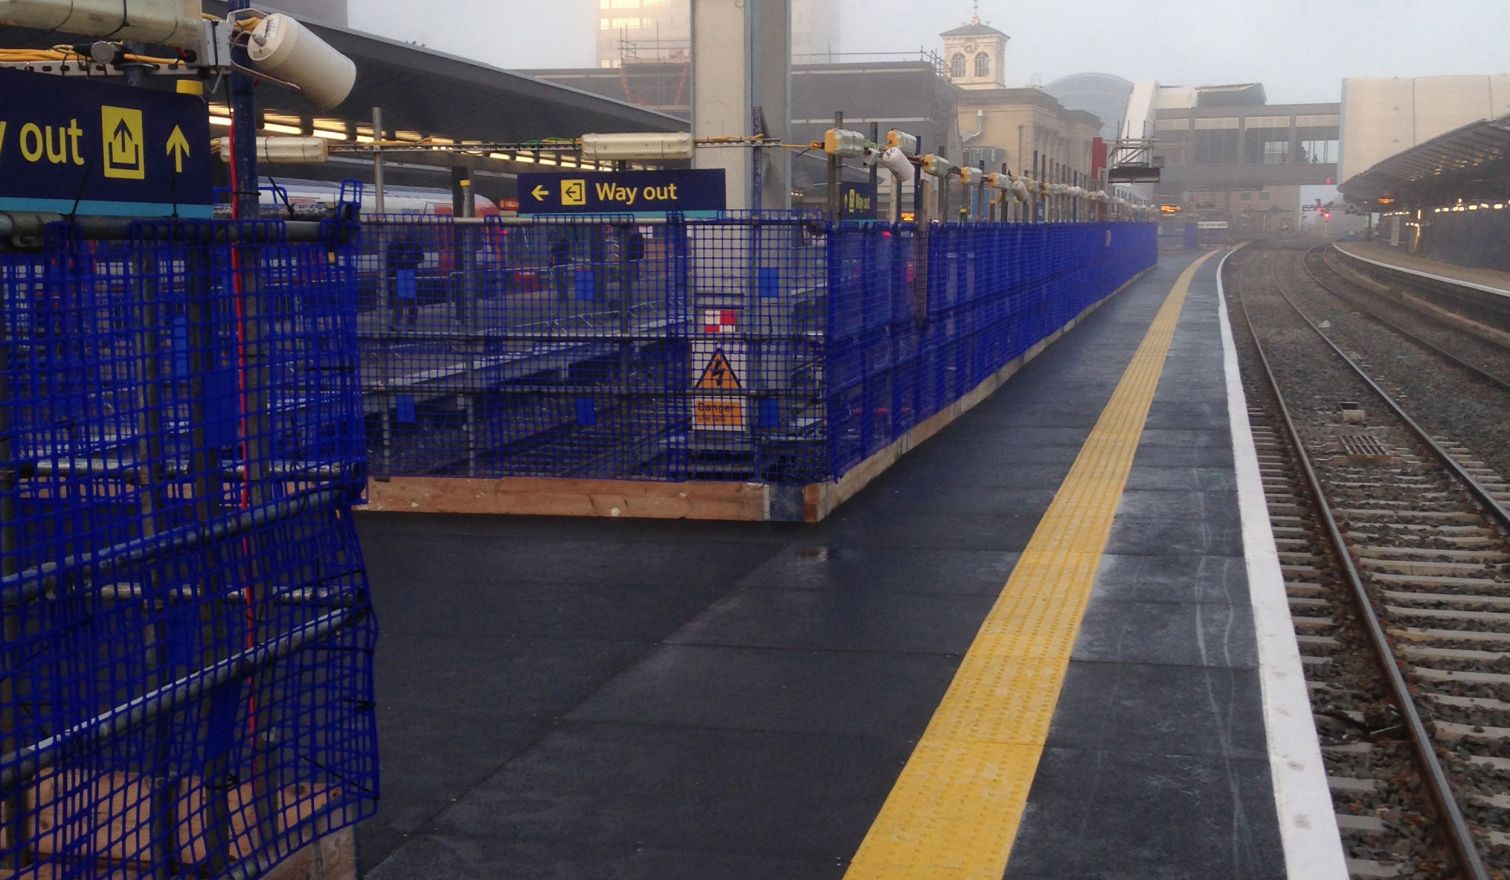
1299	49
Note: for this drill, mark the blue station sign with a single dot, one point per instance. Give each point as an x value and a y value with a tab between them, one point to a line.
80	146
623	192
857	201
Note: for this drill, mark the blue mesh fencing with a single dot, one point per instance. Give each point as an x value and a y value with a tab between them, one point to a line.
776	348
917	318
186	675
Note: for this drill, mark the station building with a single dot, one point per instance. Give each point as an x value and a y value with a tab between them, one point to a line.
1229	155
1026	128
957	103
631	31
1384	116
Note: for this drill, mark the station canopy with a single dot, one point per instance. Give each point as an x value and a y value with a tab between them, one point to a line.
422	90
1470	163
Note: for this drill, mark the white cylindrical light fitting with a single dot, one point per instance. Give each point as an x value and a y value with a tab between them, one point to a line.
282	150
629	146
281	47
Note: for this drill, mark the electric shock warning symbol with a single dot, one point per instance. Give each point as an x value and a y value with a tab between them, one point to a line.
573	193
718	375
125	153
718	414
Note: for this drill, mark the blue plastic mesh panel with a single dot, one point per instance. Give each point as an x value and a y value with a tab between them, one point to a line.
186	674
549	349
757	289
918	318
769	347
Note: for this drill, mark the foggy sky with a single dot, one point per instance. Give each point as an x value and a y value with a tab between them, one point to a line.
1299	49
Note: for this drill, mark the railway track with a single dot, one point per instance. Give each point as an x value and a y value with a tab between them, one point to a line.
1479	354
1396	552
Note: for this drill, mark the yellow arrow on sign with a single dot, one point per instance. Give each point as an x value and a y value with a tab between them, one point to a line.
540	192
178	148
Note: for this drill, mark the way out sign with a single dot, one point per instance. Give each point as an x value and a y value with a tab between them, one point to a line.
81	146
623	192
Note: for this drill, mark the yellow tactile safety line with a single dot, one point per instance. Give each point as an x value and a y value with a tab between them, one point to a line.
955	808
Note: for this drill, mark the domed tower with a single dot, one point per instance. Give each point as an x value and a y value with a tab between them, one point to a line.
976	54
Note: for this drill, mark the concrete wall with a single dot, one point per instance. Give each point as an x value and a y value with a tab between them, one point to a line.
1020	121
1382	116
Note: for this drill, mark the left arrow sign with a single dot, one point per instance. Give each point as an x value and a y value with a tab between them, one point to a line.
540	192
178	148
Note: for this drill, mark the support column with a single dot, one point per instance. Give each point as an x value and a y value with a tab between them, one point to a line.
726	94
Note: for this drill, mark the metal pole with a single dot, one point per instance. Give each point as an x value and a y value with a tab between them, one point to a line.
17	849
835	168
209	490
243	131
378	192
254	376
1037	178
151	498
917	194
943	188
981	207
875	172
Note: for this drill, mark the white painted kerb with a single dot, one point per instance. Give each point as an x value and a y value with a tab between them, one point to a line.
1307	823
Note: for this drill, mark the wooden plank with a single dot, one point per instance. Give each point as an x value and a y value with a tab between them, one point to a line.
332	857
547	496
105	819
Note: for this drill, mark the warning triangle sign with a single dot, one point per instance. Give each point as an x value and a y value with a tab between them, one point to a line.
718	375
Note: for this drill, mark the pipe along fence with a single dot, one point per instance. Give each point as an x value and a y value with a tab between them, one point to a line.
776	349
186	673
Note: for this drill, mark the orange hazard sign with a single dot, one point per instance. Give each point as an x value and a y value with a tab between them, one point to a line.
718	375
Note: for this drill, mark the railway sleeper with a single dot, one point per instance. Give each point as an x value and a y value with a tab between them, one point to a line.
1451	635
1485	556
1426	566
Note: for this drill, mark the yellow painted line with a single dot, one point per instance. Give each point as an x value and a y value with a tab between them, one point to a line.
955	809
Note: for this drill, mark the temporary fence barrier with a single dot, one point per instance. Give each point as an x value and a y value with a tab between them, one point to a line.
771	348
185	679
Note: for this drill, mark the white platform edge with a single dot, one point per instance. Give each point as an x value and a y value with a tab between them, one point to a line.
1394	267
1307	821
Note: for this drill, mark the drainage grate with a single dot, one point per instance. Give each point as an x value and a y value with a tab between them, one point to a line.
1363	445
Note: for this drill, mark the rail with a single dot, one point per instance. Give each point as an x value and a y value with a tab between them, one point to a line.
1451	357
1455	826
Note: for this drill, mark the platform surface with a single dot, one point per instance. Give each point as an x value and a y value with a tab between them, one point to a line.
610	698
1487	280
